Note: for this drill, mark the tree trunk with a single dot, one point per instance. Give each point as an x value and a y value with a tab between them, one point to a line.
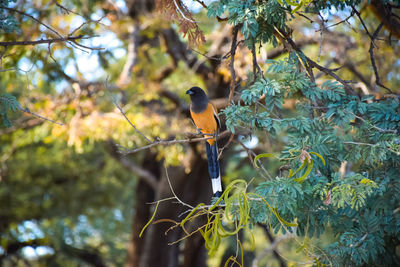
154	248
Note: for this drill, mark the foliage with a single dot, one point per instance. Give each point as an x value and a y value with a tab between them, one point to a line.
8	103
8	23
345	130
327	197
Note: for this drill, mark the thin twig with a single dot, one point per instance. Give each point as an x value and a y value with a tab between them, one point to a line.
304	16
360	241
271	248
358	143
173	192
251	155
212	58
226	145
337	23
256	68
87	47
32	17
376	127
322	29
26	110
84	23
123	113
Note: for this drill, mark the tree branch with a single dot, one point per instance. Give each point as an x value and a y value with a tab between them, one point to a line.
51	41
173	142
142	173
371	55
123	113
32	17
232	63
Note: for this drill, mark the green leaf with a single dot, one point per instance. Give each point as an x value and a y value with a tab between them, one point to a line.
259	156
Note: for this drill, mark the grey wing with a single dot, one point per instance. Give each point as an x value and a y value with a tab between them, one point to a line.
216	117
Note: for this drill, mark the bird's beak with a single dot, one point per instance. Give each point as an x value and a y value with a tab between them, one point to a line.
189	92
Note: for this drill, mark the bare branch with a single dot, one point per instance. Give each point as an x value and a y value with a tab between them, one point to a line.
26	110
359	144
251	155
313	64
371	55
272	247
123	113
361	20
232	63
337	23
32	17
226	145
50	41
173	192
142	173
173	142
256	68
376	127
84	23
371	48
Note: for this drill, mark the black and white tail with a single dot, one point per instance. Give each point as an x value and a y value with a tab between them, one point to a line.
213	168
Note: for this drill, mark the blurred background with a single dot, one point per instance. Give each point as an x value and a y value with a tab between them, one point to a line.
68	197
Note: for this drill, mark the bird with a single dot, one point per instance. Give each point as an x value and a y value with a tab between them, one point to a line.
205	118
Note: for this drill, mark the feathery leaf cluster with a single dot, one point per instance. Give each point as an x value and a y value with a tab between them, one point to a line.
360	133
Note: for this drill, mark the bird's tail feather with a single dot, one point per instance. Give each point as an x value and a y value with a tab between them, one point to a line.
213	168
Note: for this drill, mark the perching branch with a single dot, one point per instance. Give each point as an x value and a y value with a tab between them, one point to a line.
173	142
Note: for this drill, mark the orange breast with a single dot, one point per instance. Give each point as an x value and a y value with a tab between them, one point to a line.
205	121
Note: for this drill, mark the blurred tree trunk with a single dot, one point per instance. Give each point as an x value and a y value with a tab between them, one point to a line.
144	194
153	248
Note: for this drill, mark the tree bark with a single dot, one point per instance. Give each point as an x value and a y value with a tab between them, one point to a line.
144	195
192	188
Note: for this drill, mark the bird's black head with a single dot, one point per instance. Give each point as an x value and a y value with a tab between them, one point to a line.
195	92
199	99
